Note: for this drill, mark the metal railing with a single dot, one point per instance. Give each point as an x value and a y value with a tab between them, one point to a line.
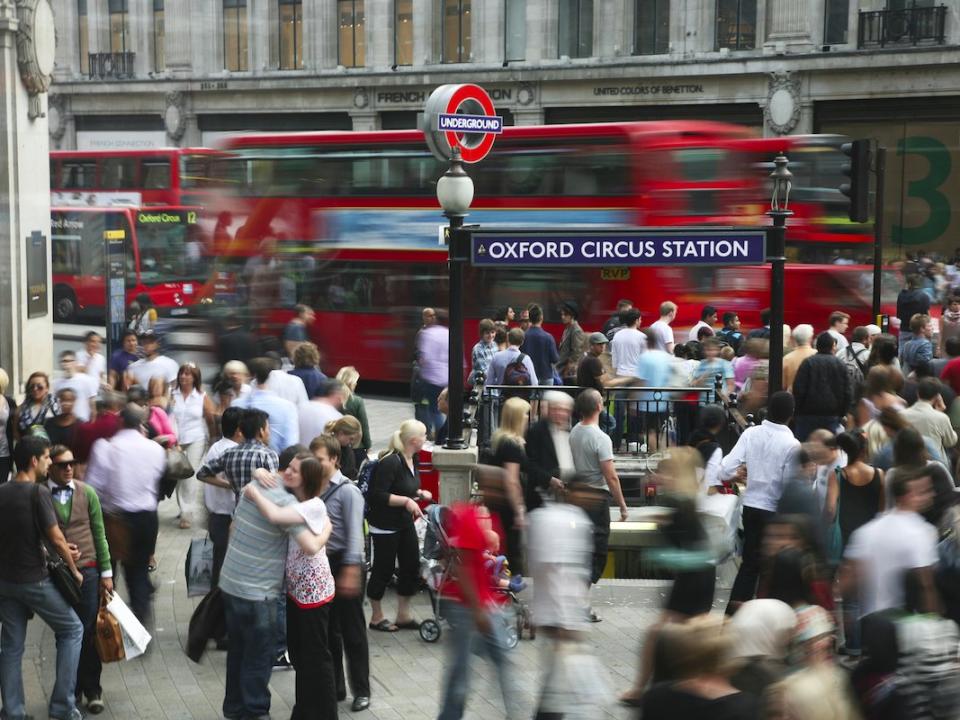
111	65
639	420
908	26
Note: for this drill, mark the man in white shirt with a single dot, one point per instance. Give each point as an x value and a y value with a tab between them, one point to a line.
325	407
153	364
839	322
283	384
284	426
708	318
627	345
763	456
928	415
125	471
882	552
661	328
84	387
90	360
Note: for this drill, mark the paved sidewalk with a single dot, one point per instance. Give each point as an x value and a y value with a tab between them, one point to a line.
166	685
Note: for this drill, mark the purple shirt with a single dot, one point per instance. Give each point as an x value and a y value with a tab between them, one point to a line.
433	354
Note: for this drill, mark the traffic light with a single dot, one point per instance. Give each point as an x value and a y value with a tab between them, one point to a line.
858	170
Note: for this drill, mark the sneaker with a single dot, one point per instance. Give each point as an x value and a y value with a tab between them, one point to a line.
95	704
282	662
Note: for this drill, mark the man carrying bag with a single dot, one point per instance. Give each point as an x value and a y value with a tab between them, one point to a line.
25	585
81	520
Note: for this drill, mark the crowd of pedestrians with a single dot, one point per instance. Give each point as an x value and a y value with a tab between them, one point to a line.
846	597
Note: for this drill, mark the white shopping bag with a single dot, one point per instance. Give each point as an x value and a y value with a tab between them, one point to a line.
135	635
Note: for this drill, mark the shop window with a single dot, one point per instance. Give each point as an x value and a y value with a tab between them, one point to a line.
456	31
576	28
83	37
159	37
291	34
737	24
651	31
119	25
235	35
514	30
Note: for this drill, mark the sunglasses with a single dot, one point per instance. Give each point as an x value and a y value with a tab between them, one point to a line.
36	386
65	463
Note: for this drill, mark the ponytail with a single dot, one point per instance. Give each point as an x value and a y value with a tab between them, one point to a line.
408	429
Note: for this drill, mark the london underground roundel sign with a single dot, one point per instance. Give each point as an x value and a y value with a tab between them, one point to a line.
460	118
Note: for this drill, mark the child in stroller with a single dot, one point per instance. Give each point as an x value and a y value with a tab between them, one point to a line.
434	570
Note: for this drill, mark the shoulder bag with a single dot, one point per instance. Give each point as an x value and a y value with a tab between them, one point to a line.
58	570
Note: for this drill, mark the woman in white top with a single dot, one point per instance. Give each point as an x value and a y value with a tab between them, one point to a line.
194	414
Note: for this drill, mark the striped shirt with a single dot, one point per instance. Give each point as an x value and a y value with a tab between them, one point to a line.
257	554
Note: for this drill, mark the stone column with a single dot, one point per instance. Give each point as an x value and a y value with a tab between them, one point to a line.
26	343
378	33
456	469
258	34
788	24
426	50
68	58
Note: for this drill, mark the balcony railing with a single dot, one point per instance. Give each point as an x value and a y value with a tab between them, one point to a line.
909	26
111	65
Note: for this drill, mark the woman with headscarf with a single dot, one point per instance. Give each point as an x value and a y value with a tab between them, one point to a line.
762	630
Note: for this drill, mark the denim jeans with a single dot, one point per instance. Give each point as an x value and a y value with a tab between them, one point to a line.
252	628
462	636
88	673
16	603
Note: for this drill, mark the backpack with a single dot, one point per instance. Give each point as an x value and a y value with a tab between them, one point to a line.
365	480
516	374
855	368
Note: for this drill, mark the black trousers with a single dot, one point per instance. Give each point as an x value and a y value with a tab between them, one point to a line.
6	466
745	586
348	635
395	550
599	514
308	643
218	527
142	529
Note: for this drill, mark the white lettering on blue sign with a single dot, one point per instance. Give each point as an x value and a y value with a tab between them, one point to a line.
728	247
470	123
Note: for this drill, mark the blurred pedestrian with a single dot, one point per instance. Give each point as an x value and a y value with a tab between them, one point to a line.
219	497
910	457
821	390
803	338
144	315
60	428
196	420
698	653
125	471
234	383
90	359
912	300
295	333
928	416
762	631
357	408
549	458
592	452
838	324
432	357
325	407
106	425
347	432
662	338
238	464
306	366
763	456
817	693
284	425
919	348
617	321
559	552
121	359
467	603
730	332
508	446
392	499
708	318
153	364
573	342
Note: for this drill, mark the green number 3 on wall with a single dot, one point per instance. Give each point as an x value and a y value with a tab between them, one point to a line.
926	189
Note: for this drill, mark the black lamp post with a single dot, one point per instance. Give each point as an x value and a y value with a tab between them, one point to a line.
455	193
776	256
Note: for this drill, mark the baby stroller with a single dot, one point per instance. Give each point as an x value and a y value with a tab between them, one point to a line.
434	564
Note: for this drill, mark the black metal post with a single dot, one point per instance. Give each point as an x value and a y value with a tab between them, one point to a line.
457	258
776	256
881	166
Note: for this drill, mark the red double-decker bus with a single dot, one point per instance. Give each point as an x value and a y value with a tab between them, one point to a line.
134	178
348	223
163	250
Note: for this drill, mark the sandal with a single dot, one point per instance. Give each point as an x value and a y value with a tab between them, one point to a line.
408	625
384	626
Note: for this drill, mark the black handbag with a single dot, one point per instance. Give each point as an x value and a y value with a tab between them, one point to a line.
63	580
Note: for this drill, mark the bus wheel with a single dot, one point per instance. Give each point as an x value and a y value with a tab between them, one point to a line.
64	304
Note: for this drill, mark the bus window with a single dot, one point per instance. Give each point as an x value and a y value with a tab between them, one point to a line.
79	174
54	178
156	174
169	248
118	173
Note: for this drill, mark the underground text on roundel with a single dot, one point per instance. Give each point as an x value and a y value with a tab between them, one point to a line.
733	248
470	123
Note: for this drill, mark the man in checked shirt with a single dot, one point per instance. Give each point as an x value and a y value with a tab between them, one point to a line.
239	463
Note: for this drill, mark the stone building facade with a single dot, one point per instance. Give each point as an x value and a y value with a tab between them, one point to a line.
145	73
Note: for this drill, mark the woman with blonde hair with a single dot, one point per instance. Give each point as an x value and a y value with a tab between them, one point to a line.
355	406
509	452
392	500
8	413
347	431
